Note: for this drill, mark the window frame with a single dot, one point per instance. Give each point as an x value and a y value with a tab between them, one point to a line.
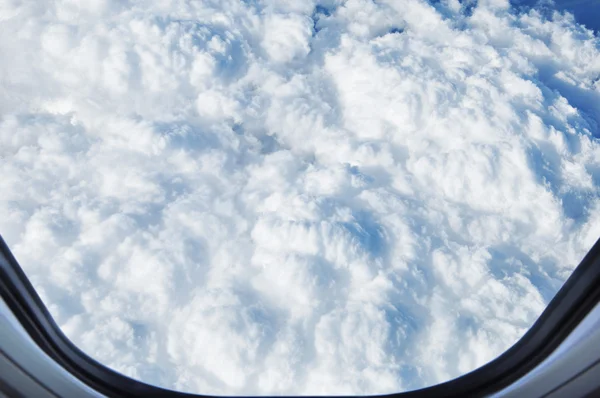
576	298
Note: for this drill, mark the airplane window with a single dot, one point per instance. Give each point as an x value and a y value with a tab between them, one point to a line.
256	197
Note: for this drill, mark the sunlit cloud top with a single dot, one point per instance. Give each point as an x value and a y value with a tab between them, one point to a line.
270	197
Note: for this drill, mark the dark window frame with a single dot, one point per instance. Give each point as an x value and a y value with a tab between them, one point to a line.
579	294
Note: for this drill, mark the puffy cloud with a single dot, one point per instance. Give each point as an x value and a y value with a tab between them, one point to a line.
266	197
287	37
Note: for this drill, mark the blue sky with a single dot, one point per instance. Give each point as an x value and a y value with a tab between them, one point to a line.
320	197
585	12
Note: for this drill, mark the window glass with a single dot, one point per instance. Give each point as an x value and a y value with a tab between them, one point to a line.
298	197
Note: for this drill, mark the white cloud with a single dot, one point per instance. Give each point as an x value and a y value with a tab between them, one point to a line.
260	197
286	38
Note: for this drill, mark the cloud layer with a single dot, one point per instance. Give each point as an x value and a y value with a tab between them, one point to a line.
266	197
